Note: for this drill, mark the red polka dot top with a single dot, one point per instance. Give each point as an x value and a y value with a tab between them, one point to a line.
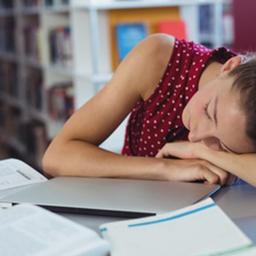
158	120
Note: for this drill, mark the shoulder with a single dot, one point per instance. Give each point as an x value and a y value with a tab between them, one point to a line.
152	56
144	66
160	40
158	45
161	47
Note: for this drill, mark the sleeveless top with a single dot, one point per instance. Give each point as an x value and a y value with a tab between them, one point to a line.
158	120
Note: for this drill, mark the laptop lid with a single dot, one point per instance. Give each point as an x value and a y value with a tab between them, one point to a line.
112	197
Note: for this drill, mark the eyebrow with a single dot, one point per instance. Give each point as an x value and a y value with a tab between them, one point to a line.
215	111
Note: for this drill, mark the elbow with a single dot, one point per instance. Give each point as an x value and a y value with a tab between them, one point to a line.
50	164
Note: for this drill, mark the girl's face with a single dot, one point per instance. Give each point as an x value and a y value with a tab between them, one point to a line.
213	116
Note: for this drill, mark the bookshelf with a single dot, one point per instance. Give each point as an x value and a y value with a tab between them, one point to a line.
68	44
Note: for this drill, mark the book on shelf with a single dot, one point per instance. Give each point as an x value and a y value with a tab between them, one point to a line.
60	101
206	19
176	28
148	16
32	39
10	120
9	78
7	35
53	3
32	3
128	35
61	47
34	89
6	4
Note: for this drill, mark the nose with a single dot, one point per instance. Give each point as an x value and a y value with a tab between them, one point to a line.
196	135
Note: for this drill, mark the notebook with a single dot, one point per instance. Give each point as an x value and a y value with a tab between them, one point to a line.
111	197
200	229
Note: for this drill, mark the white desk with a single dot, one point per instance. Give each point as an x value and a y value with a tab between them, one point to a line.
238	202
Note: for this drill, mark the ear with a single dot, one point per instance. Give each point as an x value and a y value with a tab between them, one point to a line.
231	64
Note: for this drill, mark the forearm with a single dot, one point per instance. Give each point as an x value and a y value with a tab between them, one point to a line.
78	158
241	165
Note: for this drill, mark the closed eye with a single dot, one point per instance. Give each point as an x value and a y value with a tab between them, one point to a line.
206	111
221	148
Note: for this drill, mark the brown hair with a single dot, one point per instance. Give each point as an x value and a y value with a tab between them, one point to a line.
245	83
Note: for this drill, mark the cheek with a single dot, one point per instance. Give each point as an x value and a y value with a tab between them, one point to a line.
196	107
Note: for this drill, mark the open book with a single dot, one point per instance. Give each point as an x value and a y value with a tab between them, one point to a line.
32	230
14	174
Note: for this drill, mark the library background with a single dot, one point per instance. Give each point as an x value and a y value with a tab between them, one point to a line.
56	54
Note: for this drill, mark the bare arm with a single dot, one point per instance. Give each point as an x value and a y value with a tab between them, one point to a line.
75	151
240	165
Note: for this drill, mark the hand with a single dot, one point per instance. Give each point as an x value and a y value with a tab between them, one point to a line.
194	170
183	149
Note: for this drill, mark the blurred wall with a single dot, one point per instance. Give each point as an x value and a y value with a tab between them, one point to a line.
245	25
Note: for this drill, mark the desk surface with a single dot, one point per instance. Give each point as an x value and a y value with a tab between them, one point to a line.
237	201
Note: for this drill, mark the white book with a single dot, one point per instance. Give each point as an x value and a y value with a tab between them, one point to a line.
15	174
31	230
200	229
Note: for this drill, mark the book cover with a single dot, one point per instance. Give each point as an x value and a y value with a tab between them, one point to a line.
128	35
176	28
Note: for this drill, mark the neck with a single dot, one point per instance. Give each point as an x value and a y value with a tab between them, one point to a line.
210	73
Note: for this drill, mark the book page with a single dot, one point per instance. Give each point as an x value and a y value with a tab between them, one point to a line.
200	229
31	230
15	173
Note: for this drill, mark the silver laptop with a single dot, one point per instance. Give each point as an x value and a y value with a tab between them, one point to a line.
111	197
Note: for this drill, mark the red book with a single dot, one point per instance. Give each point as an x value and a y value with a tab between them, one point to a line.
176	28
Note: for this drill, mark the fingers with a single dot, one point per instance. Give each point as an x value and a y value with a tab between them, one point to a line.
186	150
166	151
169	150
160	154
193	170
181	149
214	174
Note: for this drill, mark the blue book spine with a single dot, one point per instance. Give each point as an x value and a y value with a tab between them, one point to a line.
128	36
